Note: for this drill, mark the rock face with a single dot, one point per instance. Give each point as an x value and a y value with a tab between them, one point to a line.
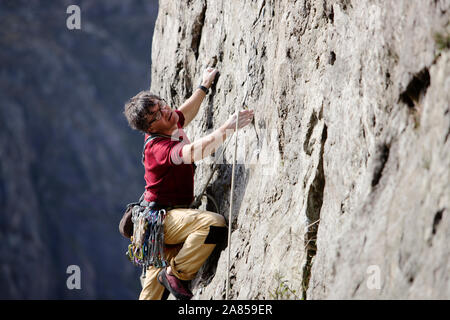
342	185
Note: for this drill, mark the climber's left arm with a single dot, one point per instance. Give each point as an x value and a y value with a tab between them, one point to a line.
191	106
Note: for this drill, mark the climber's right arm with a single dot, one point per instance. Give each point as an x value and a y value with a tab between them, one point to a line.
203	147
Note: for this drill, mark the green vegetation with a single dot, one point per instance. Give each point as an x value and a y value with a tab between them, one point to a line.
442	40
283	291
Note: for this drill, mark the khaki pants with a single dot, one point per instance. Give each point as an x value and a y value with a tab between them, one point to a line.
189	227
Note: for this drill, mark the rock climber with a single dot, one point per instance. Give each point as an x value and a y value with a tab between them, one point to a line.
190	235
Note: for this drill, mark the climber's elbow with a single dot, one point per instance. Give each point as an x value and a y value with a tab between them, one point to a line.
200	149
188	153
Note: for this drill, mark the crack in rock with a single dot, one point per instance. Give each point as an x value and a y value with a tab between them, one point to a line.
314	205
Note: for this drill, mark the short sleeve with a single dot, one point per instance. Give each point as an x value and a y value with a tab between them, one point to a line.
159	151
176	155
165	152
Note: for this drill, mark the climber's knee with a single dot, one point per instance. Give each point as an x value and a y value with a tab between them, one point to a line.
216	235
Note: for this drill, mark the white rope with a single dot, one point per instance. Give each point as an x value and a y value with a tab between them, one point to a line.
230	215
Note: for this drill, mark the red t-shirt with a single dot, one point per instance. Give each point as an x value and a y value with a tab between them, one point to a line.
168	180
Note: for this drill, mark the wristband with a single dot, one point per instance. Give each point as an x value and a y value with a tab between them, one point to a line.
203	88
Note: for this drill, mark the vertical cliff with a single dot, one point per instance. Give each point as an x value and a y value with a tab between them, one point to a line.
343	180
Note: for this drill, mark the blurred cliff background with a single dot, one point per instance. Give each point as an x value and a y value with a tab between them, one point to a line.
69	162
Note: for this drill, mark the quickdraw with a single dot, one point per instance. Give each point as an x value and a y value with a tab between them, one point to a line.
147	244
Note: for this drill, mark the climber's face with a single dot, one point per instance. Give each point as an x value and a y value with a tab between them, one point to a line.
162	118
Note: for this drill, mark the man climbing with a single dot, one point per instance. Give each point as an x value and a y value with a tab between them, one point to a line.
190	235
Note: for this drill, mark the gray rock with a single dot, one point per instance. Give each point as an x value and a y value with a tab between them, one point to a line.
342	190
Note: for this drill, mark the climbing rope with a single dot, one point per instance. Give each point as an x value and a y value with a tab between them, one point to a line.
230	215
197	201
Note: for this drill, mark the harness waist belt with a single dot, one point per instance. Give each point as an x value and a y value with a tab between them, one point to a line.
158	206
